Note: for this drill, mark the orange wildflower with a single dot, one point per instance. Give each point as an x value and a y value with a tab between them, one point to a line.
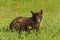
17	4
3	17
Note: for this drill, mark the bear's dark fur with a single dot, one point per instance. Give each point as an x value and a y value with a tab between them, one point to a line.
18	24
23	23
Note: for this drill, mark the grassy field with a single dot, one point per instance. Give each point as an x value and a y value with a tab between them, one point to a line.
50	25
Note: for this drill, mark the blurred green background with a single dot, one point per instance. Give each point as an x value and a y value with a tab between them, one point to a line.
49	27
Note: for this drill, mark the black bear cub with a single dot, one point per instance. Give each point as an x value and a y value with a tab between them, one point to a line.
23	23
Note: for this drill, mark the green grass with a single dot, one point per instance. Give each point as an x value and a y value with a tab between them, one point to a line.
49	27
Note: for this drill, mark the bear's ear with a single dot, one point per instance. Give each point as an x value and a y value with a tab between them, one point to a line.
41	12
32	12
